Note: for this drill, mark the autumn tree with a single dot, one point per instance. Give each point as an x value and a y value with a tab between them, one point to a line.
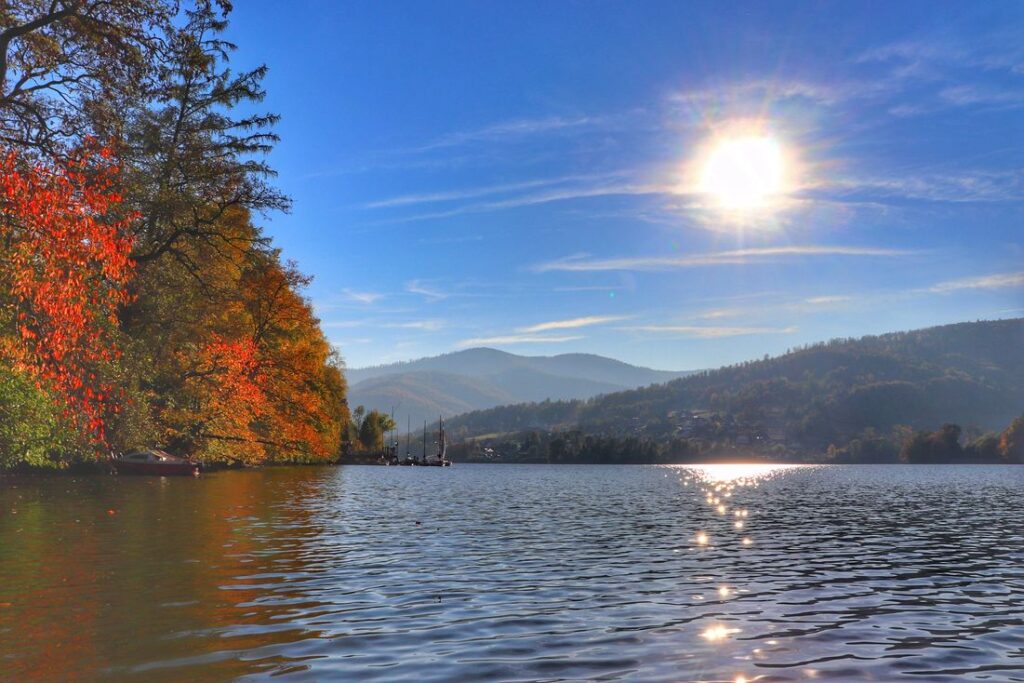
305	387
1011	441
222	356
68	66
64	270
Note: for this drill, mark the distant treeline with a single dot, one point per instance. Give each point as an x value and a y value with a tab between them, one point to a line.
141	304
902	445
869	390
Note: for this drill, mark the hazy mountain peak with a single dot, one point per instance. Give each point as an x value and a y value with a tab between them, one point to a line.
483	377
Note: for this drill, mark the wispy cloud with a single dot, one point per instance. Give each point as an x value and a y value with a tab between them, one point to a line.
825	300
995	281
426	290
605	188
999	51
761	90
362	297
454	195
426	325
504	130
587	288
705	332
719	313
966	186
732	257
573	323
516	339
919	51
938	64
967	95
488	190
809	305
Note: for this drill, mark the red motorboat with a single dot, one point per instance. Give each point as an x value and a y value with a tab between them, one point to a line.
155	462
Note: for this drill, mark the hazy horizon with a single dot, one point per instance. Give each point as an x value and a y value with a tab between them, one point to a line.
563	353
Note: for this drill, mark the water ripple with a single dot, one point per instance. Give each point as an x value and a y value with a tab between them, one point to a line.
515	573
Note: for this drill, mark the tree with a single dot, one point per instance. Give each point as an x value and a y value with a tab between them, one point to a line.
371	436
984	449
1011	441
942	446
372	429
66	65
31	428
64	272
191	159
139	294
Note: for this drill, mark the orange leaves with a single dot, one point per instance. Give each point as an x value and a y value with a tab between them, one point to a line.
239	376
227	386
66	263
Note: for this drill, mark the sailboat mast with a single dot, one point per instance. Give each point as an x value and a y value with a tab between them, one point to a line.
408	434
442	445
424	441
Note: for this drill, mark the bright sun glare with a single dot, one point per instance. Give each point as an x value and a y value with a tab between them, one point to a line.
744	173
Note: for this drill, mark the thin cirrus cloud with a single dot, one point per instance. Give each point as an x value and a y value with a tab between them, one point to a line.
547	196
573	323
362	297
719	258
516	339
708	332
504	130
995	281
425	290
425	325
967	186
761	90
809	305
487	190
825	300
939	63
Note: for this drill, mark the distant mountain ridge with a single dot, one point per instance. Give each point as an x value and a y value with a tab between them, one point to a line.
480	378
968	373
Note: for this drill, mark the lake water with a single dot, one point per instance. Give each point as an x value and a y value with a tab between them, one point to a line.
493	572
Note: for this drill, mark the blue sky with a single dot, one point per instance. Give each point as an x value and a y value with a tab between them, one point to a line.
526	175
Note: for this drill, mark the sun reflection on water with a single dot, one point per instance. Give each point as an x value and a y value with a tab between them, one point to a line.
718	632
715	484
741	474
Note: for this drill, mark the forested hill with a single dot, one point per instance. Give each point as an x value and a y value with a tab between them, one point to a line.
481	378
969	373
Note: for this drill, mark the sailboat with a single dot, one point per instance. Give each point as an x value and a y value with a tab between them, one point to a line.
439	459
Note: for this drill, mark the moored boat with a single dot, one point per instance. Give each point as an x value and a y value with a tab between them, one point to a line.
155	462
440	459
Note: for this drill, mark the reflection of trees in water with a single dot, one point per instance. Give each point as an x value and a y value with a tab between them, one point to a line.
127	571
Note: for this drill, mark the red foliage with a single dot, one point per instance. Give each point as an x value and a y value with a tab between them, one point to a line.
239	375
65	266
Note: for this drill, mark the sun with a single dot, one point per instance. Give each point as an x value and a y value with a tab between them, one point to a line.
744	173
